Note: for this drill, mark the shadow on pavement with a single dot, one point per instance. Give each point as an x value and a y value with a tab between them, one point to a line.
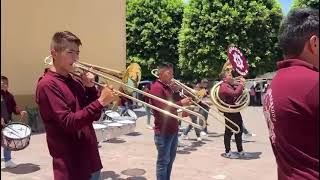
196	143
183	152
116	141
213	134
136	178
243	141
109	175
134	134
24	168
186	148
135	173
247	156
251	155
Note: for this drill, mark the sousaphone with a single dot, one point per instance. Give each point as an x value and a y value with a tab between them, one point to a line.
236	61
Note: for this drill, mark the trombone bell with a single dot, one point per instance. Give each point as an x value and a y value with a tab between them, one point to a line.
132	77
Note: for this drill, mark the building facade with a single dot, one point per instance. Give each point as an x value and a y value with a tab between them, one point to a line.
28	26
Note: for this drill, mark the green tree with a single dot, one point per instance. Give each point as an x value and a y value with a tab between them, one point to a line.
152	28
209	26
306	3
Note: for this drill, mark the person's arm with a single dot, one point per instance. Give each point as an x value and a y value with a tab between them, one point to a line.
52	103
12	103
16	109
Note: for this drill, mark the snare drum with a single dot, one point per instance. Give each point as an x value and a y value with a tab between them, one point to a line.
114	130
100	130
132	114
129	126
127	122
111	114
122	118
106	122
16	136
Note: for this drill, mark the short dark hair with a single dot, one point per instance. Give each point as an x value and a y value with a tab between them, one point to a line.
4	78
165	65
59	40
222	75
296	28
231	45
204	80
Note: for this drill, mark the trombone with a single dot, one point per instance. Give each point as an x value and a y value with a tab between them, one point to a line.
97	70
198	100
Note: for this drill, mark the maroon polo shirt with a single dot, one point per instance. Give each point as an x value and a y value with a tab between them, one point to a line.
291	108
164	124
68	109
228	93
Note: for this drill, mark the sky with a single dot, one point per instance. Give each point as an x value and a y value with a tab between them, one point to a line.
285	5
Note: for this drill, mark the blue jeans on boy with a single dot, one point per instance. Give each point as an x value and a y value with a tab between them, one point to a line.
148	112
194	120
6	154
167	149
205	114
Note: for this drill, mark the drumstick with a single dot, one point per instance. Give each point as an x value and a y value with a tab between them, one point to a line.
26	128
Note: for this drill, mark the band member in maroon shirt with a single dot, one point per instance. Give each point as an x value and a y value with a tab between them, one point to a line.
229	92
166	127
291	103
68	106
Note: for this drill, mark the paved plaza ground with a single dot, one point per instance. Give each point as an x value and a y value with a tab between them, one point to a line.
134	156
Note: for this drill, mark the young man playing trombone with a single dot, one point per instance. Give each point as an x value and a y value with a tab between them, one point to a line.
166	128
68	106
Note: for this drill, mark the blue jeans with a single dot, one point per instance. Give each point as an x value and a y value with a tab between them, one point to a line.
194	120
205	114
6	154
95	175
148	112
167	148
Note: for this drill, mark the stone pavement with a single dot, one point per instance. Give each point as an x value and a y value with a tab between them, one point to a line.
134	156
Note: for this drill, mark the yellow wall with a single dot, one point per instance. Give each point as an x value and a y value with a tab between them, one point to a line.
27	28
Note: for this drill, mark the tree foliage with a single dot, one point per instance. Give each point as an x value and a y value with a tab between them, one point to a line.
306	3
209	26
152	28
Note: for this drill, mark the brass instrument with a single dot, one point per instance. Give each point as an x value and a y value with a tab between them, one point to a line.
197	99
97	70
255	79
241	102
